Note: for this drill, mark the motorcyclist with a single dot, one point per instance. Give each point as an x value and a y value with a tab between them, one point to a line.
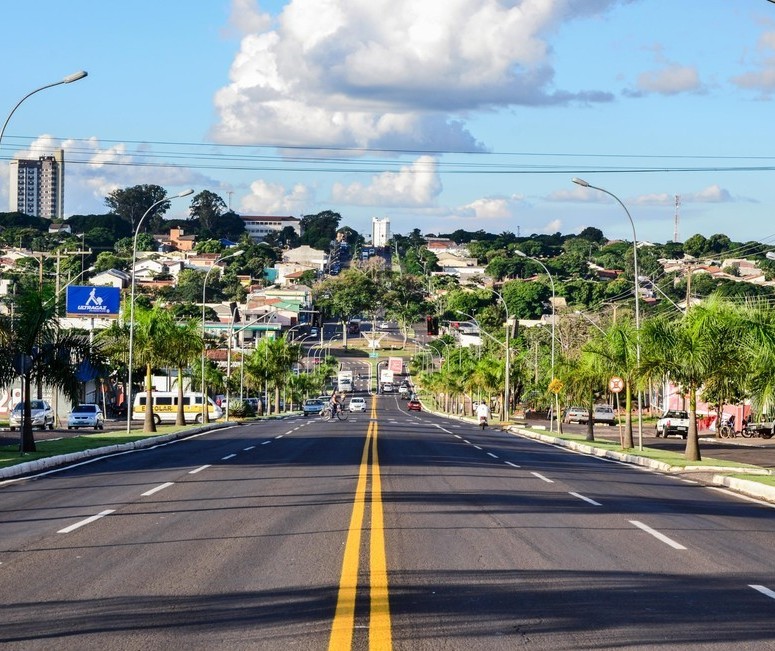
483	412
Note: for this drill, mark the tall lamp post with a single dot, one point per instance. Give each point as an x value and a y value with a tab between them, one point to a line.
128	393
67	80
522	254
585	184
205	408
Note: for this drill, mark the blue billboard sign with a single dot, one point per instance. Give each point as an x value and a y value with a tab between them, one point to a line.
93	301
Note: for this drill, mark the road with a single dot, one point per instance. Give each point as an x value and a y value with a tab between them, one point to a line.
409	529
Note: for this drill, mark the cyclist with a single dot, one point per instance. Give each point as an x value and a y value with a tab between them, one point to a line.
334	404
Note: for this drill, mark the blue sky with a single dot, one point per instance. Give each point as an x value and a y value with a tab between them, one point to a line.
440	115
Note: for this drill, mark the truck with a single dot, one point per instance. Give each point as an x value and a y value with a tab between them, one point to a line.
673	421
344	381
386	380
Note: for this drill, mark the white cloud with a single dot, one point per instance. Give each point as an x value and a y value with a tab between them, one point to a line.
762	77
670	80
390	73
554	226
93	171
415	185
711	194
275	199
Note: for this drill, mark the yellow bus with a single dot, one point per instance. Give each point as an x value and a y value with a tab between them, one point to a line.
165	407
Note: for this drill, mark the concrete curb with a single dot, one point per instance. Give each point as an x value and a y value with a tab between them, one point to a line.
48	463
744	486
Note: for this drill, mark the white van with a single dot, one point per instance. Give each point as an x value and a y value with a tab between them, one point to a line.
165	407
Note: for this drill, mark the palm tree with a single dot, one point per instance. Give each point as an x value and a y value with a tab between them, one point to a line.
683	349
152	328
34	346
183	346
583	380
614	354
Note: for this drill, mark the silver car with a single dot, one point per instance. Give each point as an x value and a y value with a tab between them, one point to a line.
86	415
40	412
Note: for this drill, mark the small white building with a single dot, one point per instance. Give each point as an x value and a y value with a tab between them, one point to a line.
258	227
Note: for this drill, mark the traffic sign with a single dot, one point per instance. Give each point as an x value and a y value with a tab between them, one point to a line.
616	384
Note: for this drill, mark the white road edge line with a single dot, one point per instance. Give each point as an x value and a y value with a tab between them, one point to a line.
586	499
494	456
161	487
77	525
542	477
249	448
764	590
657	535
513	465
199	469
266	443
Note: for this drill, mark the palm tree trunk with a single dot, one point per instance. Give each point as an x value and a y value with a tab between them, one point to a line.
628	441
692	452
149	424
27	438
180	419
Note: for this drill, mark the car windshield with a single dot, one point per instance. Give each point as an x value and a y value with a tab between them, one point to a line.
676	414
37	404
85	409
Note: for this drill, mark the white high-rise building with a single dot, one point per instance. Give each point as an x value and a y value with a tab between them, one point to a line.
37	187
380	231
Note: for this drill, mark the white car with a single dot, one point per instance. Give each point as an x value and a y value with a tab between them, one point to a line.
357	404
41	415
87	415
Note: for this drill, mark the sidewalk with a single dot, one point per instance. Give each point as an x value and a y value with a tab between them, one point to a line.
705	474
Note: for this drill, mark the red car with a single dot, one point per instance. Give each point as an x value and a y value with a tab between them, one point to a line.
414	405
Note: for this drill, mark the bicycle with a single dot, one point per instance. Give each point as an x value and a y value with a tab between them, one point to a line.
326	414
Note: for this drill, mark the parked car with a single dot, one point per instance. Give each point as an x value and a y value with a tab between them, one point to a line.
576	415
312	407
414	405
86	415
357	404
41	415
604	414
675	421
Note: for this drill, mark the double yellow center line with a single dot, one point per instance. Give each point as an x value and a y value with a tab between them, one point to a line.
380	635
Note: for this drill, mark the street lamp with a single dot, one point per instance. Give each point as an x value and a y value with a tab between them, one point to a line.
205	409
67	80
522	254
585	184
128	393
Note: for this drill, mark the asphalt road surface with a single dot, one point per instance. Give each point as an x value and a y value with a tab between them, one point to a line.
404	530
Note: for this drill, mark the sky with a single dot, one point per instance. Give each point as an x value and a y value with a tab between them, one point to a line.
440	115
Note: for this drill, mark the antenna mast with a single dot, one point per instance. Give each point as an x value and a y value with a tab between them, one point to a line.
677	217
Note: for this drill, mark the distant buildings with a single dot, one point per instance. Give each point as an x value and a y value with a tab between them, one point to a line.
37	187
380	231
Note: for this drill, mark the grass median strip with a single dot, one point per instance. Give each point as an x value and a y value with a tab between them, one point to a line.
9	454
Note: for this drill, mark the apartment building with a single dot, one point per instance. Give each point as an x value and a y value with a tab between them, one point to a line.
37	187
258	227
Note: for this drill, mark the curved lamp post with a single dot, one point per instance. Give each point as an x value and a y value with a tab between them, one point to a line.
522	254
128	393
585	184
205	408
67	80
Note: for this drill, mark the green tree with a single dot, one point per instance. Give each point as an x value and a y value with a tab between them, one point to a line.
207	207
349	294
183	347
318	231
132	203
526	299
34	345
